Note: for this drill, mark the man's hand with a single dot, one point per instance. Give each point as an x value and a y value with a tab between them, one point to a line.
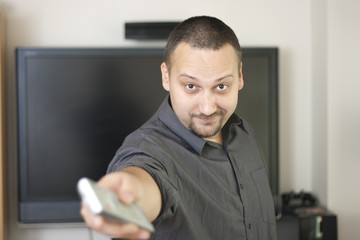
131	185
112	229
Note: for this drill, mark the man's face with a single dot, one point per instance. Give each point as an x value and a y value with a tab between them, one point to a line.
203	86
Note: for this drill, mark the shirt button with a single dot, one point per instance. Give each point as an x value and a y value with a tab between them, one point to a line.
241	186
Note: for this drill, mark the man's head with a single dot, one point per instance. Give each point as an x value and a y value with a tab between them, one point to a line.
203	74
202	32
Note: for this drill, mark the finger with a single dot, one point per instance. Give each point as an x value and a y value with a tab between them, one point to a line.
88	216
126	230
100	224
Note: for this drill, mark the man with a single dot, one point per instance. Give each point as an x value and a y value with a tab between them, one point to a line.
195	167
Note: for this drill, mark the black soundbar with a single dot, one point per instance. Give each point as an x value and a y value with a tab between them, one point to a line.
149	30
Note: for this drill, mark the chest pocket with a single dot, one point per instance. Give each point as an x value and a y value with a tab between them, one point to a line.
262	186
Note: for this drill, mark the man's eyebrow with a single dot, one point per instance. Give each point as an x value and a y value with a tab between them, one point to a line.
196	79
226	76
188	76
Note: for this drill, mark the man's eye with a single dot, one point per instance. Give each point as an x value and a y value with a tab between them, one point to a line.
190	86
221	87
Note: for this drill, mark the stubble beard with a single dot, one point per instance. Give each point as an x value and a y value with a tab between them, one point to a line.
209	129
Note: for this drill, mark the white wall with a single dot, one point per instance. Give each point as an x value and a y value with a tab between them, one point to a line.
344	114
318	100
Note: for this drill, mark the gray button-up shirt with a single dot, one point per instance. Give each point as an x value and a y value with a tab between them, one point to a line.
208	191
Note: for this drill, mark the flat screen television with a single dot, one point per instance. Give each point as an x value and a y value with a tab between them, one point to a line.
76	105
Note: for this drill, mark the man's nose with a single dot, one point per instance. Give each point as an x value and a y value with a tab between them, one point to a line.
207	105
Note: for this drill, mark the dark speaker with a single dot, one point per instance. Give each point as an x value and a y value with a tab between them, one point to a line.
149	30
308	227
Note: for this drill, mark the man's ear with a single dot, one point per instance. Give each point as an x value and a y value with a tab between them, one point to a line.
165	77
241	78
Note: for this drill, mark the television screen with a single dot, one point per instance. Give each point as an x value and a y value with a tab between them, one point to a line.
75	107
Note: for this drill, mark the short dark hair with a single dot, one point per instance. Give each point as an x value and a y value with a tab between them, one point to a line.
202	32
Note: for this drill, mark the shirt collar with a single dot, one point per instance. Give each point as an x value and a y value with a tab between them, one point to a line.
169	118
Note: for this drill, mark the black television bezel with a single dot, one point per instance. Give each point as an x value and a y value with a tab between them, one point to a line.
272	55
67	211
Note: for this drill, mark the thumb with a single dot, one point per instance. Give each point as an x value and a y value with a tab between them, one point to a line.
125	185
127	197
128	188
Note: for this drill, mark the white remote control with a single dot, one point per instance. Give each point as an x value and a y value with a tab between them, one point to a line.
104	202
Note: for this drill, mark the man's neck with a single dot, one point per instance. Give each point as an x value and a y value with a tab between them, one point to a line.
216	139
